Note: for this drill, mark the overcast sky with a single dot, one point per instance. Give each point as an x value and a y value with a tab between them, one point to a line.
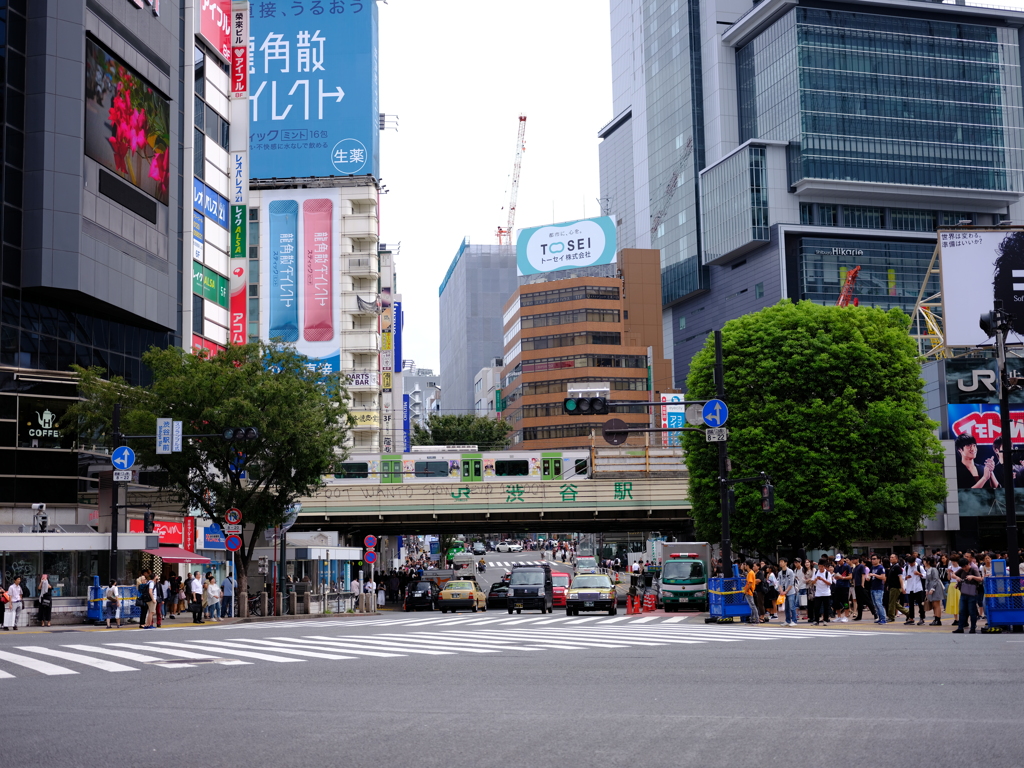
458	74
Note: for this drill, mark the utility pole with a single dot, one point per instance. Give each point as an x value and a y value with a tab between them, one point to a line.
114	493
725	492
1002	327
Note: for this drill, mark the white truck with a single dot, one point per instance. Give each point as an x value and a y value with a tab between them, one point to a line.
683	580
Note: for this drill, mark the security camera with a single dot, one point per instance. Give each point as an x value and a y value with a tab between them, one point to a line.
39	507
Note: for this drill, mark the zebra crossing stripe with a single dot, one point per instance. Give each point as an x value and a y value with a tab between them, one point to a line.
311	644
180	653
89	661
362	642
38	665
554	642
283	648
207	646
5	674
126	655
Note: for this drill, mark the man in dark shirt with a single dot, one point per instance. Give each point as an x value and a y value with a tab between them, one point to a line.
860	588
894	587
876	579
969	578
841	591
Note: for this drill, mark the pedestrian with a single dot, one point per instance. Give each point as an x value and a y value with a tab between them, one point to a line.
182	604
142	597
749	586
934	591
788	588
45	601
212	597
913	582
841	592
15	602
771	592
227	589
861	588
876	578
112	604
894	587
800	572
823	581
170	595
967	577
196	599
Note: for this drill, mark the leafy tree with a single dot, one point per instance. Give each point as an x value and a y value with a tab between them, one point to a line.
301	417
488	434
828	401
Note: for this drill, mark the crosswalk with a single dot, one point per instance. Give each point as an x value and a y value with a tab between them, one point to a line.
510	563
464	619
580	634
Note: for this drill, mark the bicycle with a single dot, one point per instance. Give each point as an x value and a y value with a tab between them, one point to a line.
255	609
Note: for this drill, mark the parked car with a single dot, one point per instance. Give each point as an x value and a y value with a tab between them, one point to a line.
421	594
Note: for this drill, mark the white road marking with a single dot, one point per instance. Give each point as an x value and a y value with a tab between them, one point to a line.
180	653
126	655
212	645
106	666
38	665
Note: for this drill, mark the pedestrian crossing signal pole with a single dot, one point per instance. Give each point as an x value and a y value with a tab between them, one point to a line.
723	466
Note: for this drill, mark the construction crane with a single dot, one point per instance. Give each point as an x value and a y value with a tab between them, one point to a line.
847	293
671	187
505	233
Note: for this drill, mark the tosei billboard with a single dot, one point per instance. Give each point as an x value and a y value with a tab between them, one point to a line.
313	89
298	274
979	266
569	245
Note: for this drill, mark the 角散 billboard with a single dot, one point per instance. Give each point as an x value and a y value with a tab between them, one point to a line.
569	245
313	89
978	267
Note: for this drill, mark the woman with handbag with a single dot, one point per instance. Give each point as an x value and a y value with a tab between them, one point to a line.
44	602
112	604
14	604
934	591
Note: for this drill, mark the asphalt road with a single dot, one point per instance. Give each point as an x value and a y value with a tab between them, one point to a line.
488	689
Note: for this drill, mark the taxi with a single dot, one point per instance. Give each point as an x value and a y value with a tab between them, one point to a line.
459	594
591	592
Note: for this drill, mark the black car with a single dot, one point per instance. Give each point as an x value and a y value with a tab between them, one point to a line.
479	548
497	596
530	587
421	594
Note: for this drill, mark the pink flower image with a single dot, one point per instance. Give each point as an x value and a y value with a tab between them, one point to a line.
158	170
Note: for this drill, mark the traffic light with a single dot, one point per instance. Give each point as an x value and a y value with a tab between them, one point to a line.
768	497
585	406
263	565
989	323
240	434
147	522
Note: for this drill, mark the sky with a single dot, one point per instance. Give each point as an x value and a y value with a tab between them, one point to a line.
457	74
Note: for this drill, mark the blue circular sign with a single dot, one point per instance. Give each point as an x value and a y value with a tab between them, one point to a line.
715	413
123	458
370	557
234	543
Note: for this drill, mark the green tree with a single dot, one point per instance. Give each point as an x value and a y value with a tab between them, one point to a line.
828	401
301	417
487	434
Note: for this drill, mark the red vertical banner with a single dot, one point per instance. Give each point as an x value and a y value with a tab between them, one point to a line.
189	542
238	303
316	247
239	50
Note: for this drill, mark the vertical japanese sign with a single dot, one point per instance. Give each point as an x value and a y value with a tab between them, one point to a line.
238	269
189	535
164	436
198	231
300	236
313	89
406	437
214	24
673	417
239	50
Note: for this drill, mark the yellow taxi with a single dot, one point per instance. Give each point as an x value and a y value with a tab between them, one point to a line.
591	592
462	594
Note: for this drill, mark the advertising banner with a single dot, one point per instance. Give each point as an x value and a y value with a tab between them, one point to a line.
188	540
239	50
301	233
313	89
673	417
170	533
979	266
977	381
238	304
214	24
213	537
396	324
126	123
406	428
981	458
569	245
209	203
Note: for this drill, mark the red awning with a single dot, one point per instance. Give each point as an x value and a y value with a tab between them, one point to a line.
177	555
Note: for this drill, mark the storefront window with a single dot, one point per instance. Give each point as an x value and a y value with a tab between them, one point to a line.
39	423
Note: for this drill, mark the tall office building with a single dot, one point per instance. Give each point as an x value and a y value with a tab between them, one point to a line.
766	149
479	281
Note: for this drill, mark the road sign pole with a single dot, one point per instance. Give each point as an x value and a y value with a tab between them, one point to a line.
723	465
114	494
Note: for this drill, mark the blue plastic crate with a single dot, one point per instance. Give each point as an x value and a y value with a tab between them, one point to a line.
1004	600
726	598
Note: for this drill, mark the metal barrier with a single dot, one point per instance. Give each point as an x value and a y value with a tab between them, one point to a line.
1004	600
127	609
726	600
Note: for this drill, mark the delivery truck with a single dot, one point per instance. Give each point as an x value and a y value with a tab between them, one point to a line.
683	579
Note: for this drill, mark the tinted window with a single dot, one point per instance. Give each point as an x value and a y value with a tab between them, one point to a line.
560	579
527	578
421	586
581	466
431	469
353	469
511	468
601	582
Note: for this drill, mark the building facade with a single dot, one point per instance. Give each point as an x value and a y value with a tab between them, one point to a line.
478	283
596	329
817	137
422	389
487	390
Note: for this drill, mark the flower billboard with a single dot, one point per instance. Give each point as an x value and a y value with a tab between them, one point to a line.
126	123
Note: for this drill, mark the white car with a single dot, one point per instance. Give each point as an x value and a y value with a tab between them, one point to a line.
507	546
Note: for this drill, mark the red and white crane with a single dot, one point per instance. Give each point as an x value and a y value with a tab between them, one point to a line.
847	293
505	233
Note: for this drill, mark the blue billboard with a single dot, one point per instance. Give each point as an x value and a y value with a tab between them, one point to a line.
313	89
569	245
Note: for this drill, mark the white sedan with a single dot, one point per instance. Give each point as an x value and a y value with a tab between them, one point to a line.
507	546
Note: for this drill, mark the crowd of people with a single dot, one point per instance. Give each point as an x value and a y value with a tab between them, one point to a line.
164	597
841	588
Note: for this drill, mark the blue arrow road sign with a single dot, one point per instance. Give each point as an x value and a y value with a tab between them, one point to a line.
715	413
123	457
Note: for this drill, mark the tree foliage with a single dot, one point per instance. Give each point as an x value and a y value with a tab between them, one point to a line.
828	401
487	434
301	417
